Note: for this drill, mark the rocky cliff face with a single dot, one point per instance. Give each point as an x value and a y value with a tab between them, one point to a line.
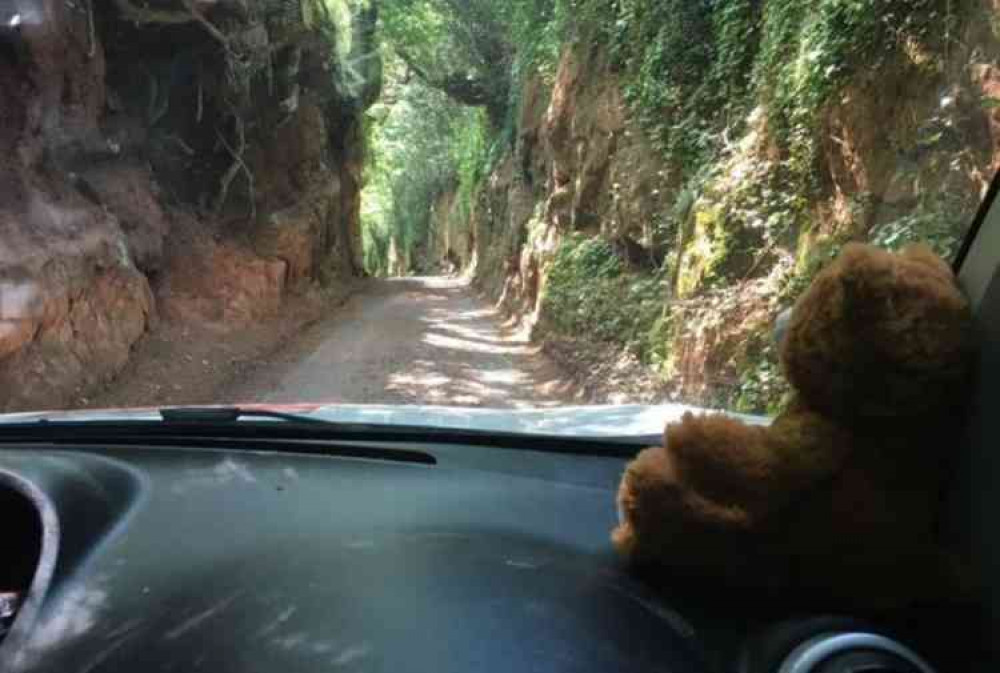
166	160
905	149
580	164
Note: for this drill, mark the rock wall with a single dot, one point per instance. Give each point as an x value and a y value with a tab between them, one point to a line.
452	244
165	161
579	164
902	146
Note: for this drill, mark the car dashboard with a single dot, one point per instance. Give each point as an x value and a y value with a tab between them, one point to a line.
433	557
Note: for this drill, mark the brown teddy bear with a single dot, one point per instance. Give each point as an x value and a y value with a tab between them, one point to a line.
836	499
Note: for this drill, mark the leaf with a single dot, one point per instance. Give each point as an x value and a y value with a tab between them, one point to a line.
990	103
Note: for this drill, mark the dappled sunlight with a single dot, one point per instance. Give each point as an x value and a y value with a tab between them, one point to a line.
442	341
427	341
471	334
416	296
445	283
472	330
423	382
419	378
445	314
467	358
508	377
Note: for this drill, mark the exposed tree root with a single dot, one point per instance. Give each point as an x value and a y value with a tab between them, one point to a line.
234	170
171	17
91	36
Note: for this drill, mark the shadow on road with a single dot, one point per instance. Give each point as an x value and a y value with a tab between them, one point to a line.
414	341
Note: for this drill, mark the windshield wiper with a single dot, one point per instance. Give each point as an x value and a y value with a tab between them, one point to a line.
220	428
231	415
252	425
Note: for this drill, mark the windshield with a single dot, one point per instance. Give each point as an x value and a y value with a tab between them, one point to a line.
477	203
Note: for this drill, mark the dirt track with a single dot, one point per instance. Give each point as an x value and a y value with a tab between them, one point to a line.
409	341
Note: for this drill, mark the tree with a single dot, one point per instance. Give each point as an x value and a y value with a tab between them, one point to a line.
460	47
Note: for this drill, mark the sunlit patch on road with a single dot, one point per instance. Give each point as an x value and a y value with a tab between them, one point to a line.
422	341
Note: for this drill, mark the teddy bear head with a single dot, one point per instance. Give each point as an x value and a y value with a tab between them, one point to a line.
879	335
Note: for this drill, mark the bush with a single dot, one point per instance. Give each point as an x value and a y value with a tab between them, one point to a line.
589	292
763	388
937	227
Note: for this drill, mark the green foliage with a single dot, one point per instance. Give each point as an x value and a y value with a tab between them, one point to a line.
428	142
590	291
590	257
333	21
461	47
412	161
940	224
333	17
762	388
693	68
817	255
472	159
699	73
437	38
808	51
685	65
735	95
538	29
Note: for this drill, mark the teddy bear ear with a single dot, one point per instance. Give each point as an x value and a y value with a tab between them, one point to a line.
863	273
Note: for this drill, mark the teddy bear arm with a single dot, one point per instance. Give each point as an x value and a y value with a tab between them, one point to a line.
751	468
656	509
723	458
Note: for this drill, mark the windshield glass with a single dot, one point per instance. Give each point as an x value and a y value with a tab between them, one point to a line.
482	203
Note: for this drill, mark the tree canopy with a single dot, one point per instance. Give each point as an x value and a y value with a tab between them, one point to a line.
469	49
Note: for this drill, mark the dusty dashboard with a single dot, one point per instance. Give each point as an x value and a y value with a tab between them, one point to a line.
192	559
431	558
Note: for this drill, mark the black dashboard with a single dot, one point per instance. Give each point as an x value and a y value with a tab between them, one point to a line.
434	558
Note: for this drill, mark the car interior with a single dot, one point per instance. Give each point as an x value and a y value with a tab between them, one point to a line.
314	554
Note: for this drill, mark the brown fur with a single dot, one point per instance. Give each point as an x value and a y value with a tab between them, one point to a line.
879	334
838	496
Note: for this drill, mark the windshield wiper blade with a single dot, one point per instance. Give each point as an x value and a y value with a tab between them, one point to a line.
238	423
213	415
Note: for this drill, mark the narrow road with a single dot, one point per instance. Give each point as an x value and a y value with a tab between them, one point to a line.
411	341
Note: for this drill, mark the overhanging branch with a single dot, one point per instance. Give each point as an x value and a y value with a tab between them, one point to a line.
412	65
462	88
146	15
170	17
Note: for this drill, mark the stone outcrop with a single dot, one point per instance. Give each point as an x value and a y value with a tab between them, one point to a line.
171	161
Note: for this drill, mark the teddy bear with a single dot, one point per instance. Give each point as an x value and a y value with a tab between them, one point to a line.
838	498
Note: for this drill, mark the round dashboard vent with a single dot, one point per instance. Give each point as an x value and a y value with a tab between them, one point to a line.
20	547
853	653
